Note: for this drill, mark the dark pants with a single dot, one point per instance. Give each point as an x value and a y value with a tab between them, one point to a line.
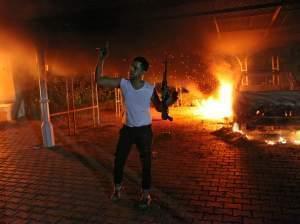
142	137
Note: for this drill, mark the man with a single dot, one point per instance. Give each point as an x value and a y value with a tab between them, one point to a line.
137	96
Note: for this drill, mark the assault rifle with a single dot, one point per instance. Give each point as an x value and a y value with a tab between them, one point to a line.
165	95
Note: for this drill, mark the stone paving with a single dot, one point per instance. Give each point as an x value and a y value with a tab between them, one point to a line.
198	177
207	178
39	185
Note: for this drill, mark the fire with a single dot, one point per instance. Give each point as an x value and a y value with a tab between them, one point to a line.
297	138
280	140
270	142
7	91
218	106
236	128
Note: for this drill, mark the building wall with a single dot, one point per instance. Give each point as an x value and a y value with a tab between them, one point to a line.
7	89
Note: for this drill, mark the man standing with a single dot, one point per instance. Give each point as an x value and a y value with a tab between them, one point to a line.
137	96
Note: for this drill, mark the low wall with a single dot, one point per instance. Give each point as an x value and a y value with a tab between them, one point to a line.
6	112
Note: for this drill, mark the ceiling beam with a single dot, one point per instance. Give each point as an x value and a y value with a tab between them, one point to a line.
217	27
222	11
273	19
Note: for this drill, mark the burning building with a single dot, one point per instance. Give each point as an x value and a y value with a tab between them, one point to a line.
7	89
18	73
237	29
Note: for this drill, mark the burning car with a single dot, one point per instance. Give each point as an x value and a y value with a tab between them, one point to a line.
268	104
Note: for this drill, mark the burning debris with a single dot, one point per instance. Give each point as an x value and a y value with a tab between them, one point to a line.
235	135
270	137
219	106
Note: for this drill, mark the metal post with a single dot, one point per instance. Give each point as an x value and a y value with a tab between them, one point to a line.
291	81
47	128
244	70
177	101
121	101
275	71
68	106
73	105
97	103
118	100
180	96
179	91
93	98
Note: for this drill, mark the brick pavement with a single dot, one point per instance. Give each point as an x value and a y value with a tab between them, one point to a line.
211	180
198	178
39	185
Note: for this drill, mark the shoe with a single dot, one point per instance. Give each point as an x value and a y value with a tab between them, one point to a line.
145	201
116	195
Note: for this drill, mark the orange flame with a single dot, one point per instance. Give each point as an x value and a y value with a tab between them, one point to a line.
7	90
296	139
236	128
219	106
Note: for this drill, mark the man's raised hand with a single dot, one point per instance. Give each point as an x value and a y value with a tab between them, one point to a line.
103	51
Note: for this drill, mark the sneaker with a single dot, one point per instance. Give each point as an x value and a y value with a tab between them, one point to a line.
145	201
116	195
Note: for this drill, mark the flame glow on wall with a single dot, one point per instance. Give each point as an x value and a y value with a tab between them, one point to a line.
218	106
17	62
7	90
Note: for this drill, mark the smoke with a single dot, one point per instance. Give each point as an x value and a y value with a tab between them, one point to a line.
226	69
68	62
19	50
17	64
238	43
193	89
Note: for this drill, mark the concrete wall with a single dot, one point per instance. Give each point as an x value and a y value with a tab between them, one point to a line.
7	89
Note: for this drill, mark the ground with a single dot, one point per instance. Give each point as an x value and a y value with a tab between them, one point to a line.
201	173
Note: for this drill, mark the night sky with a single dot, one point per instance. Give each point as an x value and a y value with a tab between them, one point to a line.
71	30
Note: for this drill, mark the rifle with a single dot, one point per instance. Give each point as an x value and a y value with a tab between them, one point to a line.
165	95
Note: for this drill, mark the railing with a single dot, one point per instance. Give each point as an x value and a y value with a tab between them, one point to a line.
72	112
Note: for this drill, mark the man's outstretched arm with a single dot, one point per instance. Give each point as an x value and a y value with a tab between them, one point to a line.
102	80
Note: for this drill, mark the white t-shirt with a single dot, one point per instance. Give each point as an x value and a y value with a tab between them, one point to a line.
136	104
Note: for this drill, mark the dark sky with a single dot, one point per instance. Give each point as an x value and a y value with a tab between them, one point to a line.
134	19
71	30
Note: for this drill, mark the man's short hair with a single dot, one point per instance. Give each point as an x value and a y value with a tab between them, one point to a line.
144	62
